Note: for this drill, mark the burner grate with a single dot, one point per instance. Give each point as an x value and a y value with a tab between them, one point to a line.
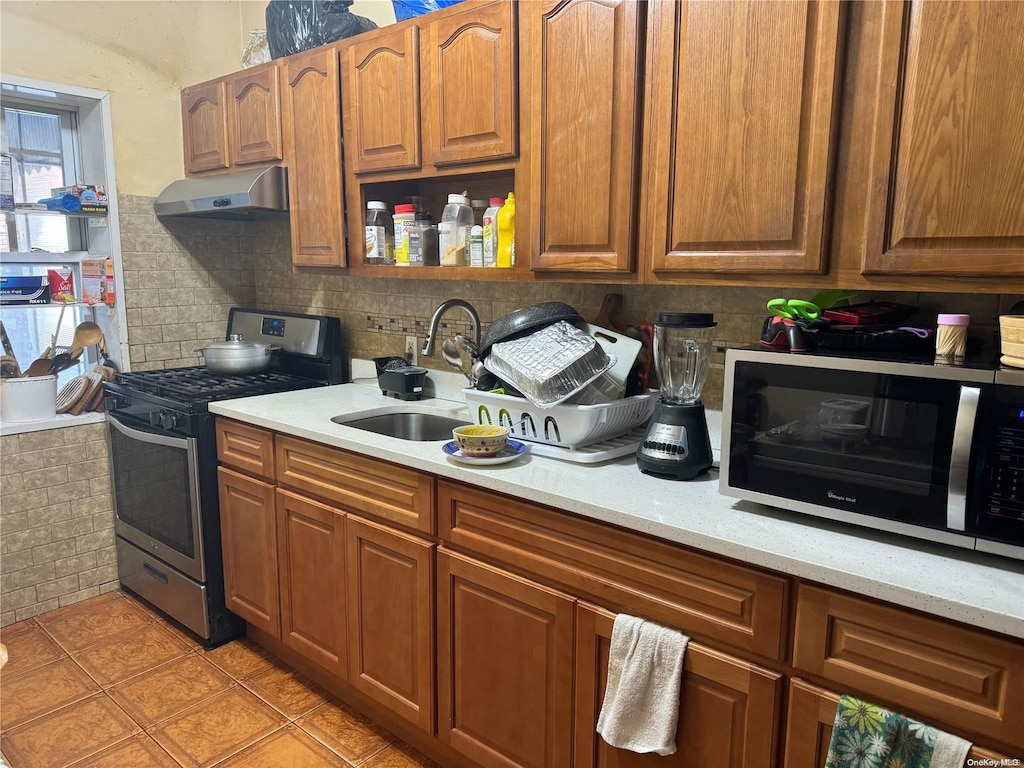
199	384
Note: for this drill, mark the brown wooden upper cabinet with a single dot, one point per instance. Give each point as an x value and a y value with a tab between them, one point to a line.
204	127
382	103
942	144
254	116
311	109
455	98
738	120
233	121
468	89
580	62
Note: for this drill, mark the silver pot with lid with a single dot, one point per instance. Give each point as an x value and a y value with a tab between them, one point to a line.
237	355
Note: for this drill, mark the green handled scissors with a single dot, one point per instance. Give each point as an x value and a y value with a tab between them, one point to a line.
794	309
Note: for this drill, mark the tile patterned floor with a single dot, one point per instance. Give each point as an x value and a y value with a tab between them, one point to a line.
107	683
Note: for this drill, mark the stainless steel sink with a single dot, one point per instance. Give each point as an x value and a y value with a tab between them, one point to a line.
405	425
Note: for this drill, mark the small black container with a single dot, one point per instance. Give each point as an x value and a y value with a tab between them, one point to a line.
399	379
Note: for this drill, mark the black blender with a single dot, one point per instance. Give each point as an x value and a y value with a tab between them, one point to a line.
677	445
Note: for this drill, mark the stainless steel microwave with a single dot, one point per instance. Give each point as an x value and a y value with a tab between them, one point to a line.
925	450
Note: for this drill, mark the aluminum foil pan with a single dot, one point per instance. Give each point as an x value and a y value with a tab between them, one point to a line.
551	365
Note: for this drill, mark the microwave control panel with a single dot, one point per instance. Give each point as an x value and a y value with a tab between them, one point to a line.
1005	475
1001	480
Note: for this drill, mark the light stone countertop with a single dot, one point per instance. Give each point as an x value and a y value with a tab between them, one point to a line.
976	589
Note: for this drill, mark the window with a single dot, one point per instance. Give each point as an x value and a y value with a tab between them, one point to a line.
43	147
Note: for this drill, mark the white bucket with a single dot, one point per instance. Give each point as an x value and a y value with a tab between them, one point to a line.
28	399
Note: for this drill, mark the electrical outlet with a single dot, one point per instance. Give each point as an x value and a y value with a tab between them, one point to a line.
411	351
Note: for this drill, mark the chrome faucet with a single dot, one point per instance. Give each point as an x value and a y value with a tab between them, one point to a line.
435	323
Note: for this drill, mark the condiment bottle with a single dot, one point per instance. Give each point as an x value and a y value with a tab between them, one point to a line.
491	231
479	207
380	245
507	233
417	241
405	214
951	338
453	232
476	246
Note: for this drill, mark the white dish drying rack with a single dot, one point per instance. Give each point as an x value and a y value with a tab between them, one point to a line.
612	448
580	433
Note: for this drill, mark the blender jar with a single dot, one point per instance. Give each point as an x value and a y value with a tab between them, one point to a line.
682	354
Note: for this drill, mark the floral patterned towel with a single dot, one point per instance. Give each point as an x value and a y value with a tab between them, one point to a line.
868	736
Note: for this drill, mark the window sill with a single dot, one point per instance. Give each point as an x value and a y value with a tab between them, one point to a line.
57	422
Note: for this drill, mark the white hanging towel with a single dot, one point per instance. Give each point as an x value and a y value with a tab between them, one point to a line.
641	700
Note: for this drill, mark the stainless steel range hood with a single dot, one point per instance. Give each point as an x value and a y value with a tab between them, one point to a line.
237	195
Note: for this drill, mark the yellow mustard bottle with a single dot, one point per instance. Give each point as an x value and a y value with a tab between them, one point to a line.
507	233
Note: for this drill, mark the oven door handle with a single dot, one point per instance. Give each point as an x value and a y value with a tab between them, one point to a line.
149	437
960	458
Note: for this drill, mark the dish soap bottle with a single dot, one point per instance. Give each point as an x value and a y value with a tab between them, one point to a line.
507	233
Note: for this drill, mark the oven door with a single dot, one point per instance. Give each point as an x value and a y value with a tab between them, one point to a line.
156	494
882	444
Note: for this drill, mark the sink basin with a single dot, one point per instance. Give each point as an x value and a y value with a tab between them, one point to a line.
405	425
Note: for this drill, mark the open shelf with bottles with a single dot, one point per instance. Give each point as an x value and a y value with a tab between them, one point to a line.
431	193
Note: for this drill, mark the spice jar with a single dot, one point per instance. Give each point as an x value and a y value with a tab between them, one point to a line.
951	338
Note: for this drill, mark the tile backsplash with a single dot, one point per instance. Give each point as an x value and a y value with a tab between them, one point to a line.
182	275
56	520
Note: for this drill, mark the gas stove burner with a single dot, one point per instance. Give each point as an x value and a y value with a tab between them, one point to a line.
198	384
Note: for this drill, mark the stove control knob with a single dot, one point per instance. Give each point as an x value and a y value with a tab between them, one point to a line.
154	418
169	420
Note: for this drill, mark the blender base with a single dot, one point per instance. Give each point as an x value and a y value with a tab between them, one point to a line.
677	445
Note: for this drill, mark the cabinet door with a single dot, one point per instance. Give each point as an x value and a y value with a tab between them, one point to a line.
504	666
204	127
391	619
579	75
382	101
254	116
737	155
249	544
311	567
946	185
311	104
812	711
468	87
728	711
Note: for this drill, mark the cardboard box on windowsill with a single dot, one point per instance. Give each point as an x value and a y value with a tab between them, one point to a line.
98	281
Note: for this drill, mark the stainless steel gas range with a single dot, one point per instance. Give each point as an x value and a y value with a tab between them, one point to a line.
163	454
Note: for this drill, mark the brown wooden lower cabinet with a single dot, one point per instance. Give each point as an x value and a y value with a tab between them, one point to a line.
728	713
812	711
311	573
249	544
504	666
391	619
946	673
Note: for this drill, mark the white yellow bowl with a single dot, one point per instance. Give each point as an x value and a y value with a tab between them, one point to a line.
480	439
